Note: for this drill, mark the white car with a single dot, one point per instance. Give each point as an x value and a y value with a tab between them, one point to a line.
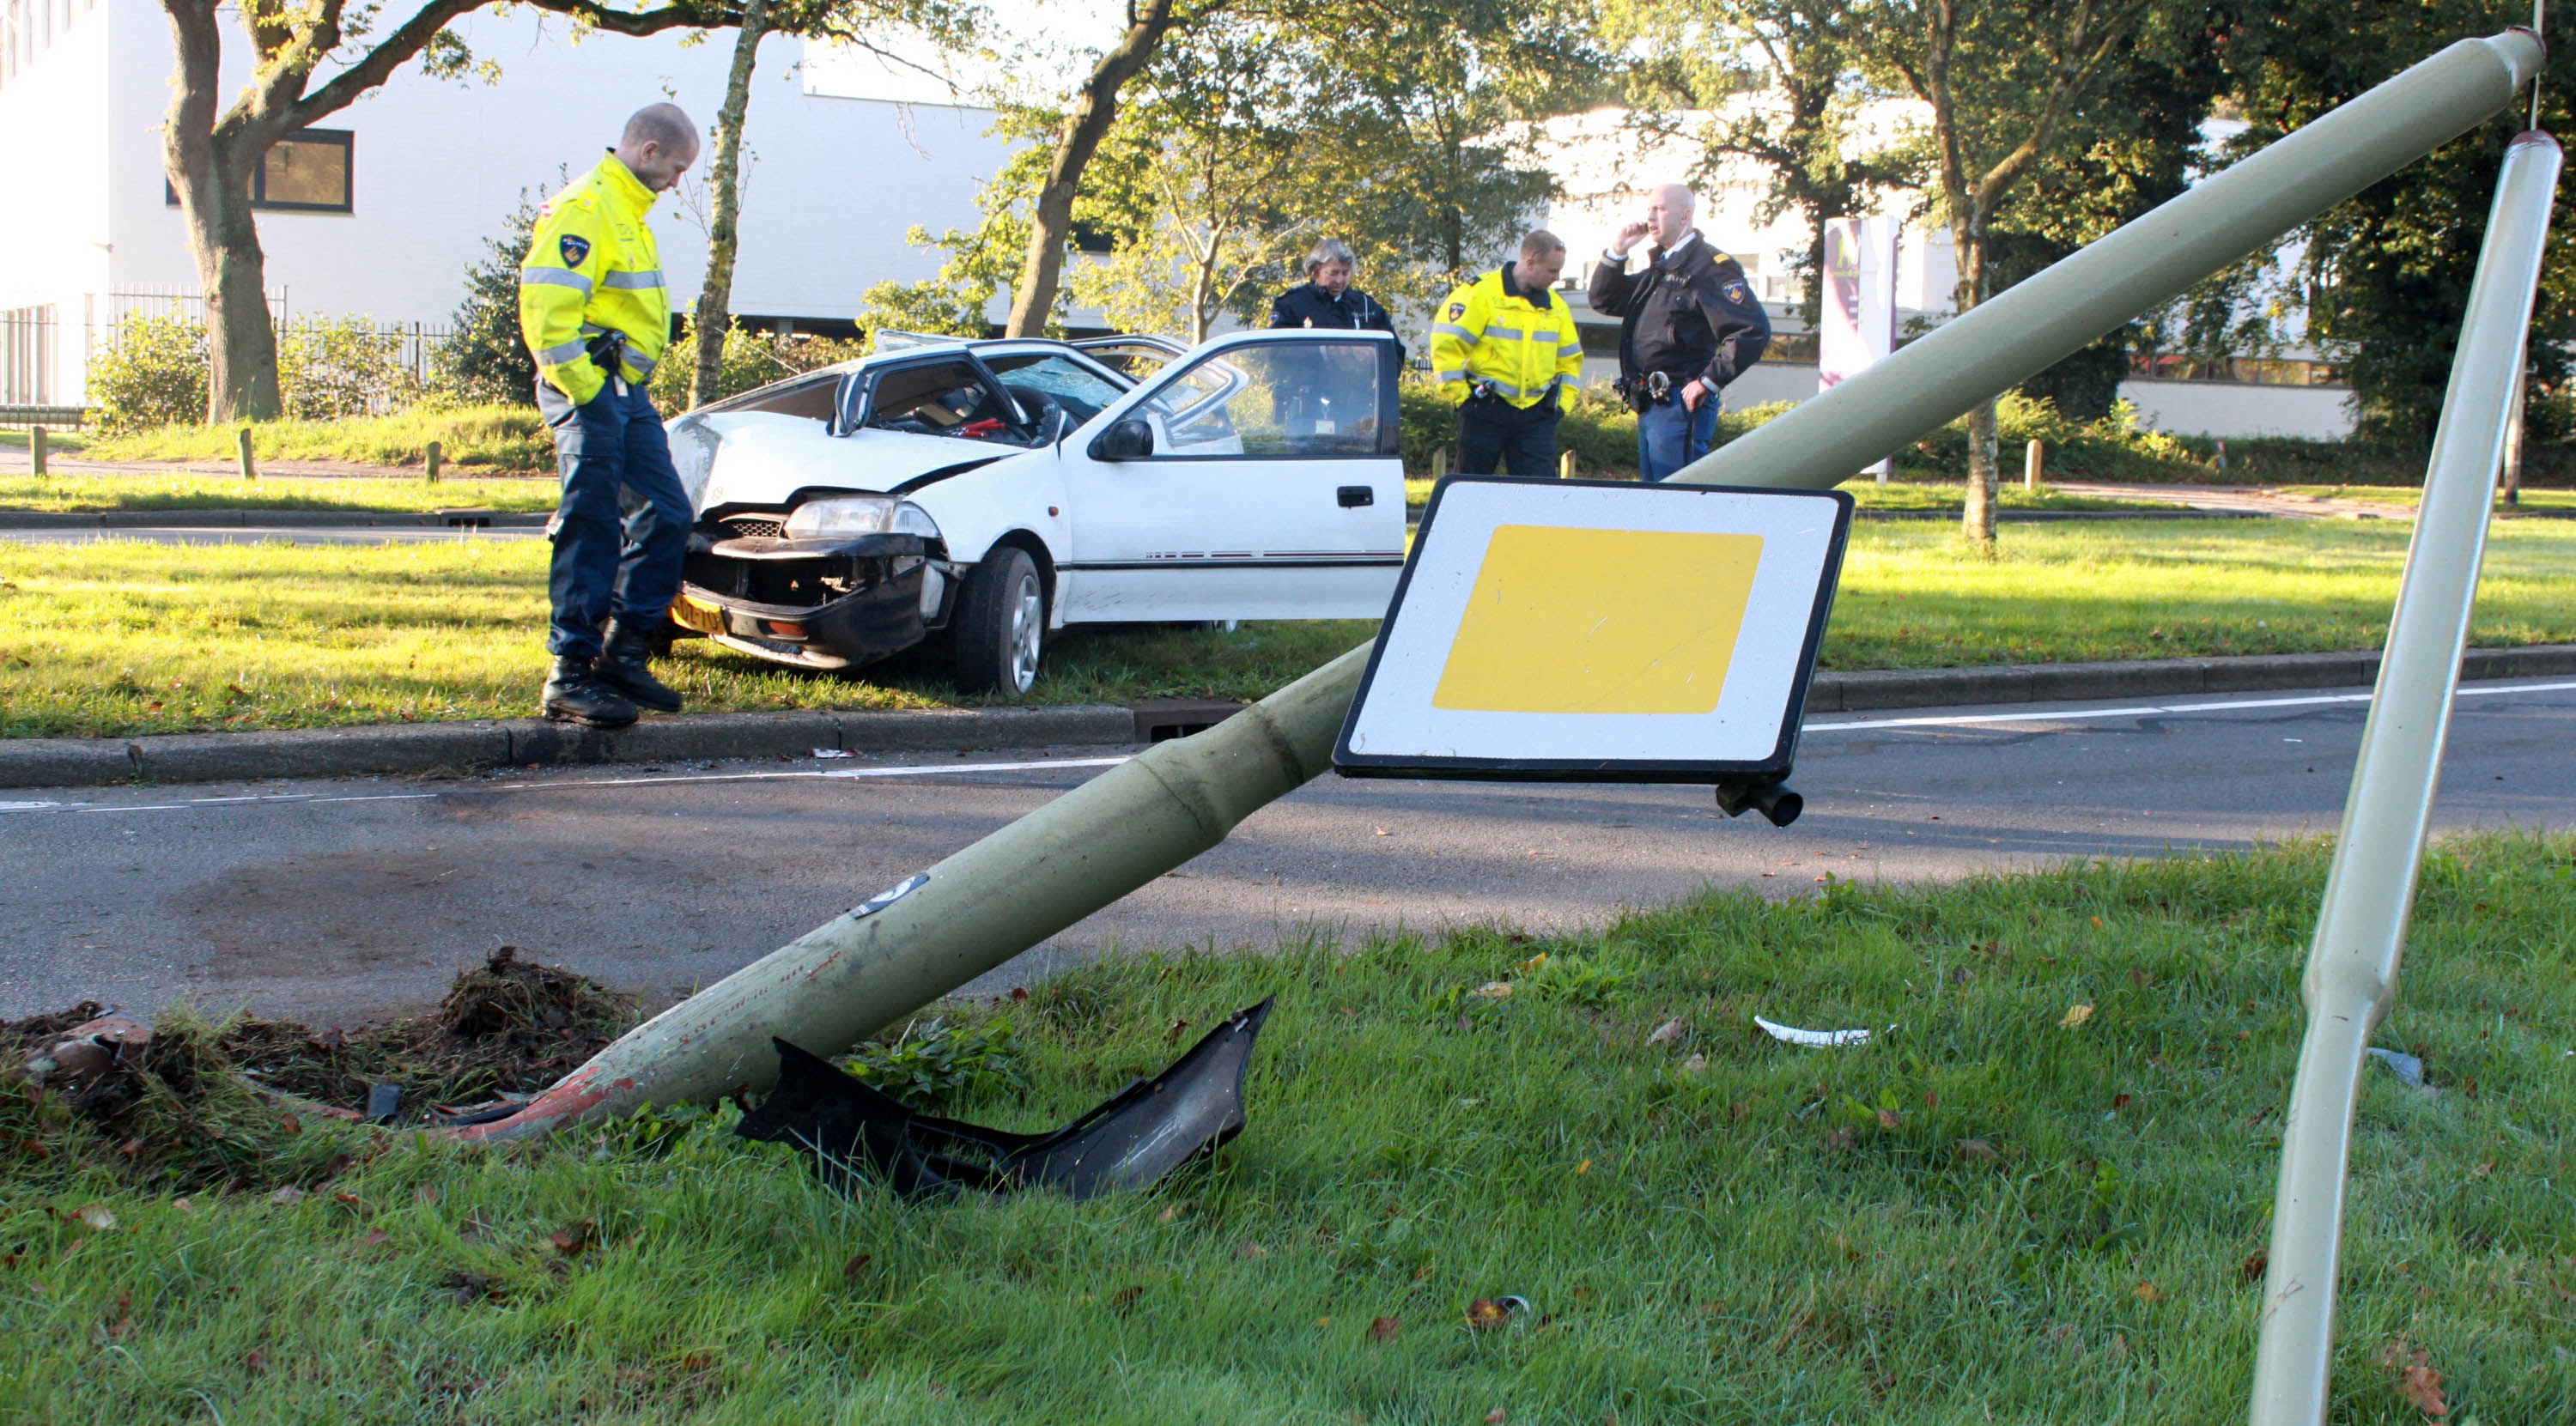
999	489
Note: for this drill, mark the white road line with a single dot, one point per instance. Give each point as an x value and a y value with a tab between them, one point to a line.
2147	710
2142	710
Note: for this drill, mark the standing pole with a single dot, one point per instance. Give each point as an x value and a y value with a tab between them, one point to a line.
1115	833
36	449
2370	888
2030	459
249	462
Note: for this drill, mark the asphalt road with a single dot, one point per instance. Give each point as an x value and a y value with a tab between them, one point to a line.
334	900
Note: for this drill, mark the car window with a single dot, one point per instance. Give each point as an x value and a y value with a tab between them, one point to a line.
1293	399
1077	388
939	399
811	396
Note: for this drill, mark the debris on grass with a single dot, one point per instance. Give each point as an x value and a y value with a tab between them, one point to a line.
1819	1039
2408	1069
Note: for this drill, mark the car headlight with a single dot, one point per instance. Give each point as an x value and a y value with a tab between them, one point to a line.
859	515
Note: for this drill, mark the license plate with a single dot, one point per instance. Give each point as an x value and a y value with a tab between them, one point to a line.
692	613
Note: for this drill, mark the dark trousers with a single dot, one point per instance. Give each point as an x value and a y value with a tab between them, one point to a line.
1493	431
606	565
1669	437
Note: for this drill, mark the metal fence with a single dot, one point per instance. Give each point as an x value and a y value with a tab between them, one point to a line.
30	351
411	347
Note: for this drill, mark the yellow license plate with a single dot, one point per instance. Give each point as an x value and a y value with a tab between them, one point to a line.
693	613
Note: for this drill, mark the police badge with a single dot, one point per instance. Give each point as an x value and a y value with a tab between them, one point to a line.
574	249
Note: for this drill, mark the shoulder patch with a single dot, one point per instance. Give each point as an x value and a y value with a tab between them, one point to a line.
1457	310
576	247
1736	292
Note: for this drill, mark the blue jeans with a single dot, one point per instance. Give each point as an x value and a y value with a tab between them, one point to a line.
603	564
1669	437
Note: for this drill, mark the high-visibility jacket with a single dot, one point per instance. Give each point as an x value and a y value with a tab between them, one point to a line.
592	269
1491	332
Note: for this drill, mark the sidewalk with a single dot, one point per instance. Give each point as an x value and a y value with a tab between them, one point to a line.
453	748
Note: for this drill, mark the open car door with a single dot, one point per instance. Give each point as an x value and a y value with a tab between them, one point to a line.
1256	477
1135	357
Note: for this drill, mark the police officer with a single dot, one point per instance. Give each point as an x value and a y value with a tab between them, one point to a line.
1505	349
593	309
1688	325
1326	299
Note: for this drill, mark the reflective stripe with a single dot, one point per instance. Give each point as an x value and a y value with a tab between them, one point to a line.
1446	330
633	280
563	355
1571	344
1505	388
552	277
1499	332
643	364
1445	377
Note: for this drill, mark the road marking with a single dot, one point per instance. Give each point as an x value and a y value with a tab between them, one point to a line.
1965	720
2150	710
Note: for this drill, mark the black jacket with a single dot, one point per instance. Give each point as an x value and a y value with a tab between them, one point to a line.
1691	317
1307	305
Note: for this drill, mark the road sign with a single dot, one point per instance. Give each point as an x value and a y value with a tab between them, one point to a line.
1599	631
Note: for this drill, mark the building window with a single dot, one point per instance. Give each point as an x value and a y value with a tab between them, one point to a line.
308	171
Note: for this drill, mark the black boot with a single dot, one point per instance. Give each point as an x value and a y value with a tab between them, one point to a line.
623	668
574	694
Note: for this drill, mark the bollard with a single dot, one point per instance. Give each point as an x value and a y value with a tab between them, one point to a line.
36	448
249	466
430	463
1565	465
2030	468
1439	464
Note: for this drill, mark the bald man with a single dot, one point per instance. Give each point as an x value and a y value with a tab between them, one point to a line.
594	310
1689	324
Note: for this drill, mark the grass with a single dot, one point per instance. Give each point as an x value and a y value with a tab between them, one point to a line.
66	442
94	492
1983	1216
2532	499
501	440
1912	495
120	638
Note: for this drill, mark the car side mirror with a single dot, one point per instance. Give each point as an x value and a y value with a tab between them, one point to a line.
1130	439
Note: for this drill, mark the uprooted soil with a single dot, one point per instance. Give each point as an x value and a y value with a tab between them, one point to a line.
199	1098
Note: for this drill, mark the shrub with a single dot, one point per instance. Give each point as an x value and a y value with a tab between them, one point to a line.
751	359
153	373
334	367
484	362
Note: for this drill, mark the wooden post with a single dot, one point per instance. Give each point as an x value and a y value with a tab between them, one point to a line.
2030	468
2512	446
1439	464
36	448
430	463
1565	465
249	465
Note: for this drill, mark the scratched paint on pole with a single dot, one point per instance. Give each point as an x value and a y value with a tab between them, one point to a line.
1599	630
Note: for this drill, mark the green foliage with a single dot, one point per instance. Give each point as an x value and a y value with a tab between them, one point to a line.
499	440
152	374
2114	448
485	361
751	359
333	368
936	1062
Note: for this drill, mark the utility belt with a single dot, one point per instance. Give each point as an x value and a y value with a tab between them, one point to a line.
1485	390
1644	393
608	353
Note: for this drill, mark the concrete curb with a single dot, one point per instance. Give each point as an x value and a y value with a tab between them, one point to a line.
413	748
237	519
2048	517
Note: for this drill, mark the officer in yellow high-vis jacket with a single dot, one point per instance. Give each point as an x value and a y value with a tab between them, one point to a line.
594	311
1504	347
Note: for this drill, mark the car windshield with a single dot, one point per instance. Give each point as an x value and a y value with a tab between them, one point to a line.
938	399
1077	388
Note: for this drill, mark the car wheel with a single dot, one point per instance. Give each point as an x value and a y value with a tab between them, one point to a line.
1000	624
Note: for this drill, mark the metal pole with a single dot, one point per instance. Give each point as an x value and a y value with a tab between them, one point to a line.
2370	888
2021	331
1113	834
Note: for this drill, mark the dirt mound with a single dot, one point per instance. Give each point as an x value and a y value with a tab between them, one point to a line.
188	1097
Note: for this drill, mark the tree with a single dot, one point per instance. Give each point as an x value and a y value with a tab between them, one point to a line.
2001	81
484	360
715	292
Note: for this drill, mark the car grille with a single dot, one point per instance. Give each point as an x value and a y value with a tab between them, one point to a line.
755	527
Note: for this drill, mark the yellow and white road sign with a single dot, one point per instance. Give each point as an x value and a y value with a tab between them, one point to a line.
1600	631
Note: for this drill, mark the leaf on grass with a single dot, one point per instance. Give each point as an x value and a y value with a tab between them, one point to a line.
1977	1149
2119	1102
287	1197
1123	1301
1485	1314
2416	1379
376	1238
2148	1292
257	1361
290	1123
850	1270
1889	1119
96	1216
1382	1329
1583	1167
575	1238
1696	1064
1839	1139
183	1205
1666	1033
2076	1016
1495	1417
2257	1263
1172	1036
130	1147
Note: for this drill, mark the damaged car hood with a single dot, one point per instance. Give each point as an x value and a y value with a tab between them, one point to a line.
760	458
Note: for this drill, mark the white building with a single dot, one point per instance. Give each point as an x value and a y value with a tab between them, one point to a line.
1606	169
380	209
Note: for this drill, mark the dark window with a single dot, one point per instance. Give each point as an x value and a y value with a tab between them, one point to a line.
308	171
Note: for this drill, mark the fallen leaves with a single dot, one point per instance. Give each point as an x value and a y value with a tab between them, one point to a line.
467	1288
287	1197
1666	1033
856	1266
96	1215
2257	1263
1382	1329
1485	1314
576	1238
2076	1016
2148	1292
2416	1379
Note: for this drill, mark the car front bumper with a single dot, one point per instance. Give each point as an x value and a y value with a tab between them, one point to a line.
819	604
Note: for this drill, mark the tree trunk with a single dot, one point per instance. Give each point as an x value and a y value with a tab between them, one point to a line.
714	316
211	168
1095	108
1978	520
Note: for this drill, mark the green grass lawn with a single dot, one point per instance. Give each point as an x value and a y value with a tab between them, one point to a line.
67	442
2551	499
1986	1215
1916	495
86	491
124	638
505	440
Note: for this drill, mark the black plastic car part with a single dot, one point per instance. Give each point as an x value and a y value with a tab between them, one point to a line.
1143	1132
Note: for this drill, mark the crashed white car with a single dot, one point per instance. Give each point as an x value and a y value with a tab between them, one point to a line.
995	490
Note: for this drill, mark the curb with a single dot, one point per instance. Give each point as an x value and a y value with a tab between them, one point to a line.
237	519
2046	517
415	748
